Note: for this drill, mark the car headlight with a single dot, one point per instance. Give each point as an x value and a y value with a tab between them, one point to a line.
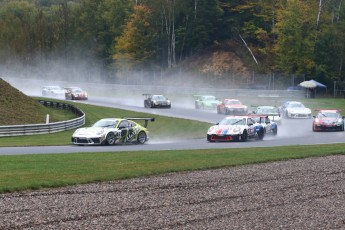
210	129
317	120
340	120
100	132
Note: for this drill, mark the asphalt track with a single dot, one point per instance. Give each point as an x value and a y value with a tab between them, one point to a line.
291	132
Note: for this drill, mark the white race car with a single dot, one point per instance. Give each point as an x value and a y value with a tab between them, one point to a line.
238	128
110	131
295	109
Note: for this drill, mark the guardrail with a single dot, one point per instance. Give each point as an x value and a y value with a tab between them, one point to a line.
31	129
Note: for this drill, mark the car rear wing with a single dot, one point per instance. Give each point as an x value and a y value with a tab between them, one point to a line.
147	94
146	119
338	110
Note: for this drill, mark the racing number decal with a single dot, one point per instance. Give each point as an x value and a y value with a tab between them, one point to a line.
130	134
251	130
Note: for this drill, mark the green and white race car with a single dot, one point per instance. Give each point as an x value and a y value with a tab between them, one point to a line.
206	102
110	131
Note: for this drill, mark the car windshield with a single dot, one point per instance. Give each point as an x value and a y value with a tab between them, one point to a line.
232	102
159	97
259	120
233	121
77	90
267	110
55	88
209	98
106	123
328	114
295	105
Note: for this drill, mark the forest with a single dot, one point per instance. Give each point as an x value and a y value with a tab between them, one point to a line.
284	37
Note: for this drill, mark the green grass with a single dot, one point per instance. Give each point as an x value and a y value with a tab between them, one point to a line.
162	127
25	172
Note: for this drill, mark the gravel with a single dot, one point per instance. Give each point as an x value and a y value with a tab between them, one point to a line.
295	194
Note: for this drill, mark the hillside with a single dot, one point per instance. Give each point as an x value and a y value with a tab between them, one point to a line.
222	64
16	108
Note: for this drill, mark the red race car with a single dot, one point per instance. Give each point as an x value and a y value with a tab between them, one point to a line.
232	106
328	120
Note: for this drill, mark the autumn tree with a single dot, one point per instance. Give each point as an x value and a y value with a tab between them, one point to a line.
295	29
134	48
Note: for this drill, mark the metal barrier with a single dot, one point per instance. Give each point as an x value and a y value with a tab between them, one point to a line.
31	129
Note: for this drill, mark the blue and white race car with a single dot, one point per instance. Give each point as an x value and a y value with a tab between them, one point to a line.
270	126
238	128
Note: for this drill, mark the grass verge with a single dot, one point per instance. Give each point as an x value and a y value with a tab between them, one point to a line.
26	172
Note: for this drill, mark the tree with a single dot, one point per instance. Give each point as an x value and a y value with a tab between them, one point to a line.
134	48
295	31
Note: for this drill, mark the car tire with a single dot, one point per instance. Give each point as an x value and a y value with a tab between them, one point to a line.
261	134
110	139
275	131
313	128
244	136
209	138
142	137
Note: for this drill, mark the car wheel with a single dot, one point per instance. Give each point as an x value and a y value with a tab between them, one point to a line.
218	110
142	137
110	139
261	134
244	136
209	138
275	131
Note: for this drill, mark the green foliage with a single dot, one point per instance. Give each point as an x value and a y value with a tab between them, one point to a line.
134	46
294	36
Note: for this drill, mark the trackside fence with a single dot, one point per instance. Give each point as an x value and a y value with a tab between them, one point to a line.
31	129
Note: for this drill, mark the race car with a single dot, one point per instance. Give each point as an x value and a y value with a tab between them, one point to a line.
271	112
232	106
156	101
110	131
53	91
327	120
75	93
206	102
237	128
270	126
295	109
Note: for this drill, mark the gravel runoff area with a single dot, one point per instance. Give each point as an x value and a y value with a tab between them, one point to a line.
294	194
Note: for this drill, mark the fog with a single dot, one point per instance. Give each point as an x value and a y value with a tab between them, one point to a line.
126	91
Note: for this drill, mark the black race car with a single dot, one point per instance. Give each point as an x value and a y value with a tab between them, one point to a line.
156	101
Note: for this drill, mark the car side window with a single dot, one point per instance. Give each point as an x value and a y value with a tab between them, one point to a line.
131	124
250	121
123	124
